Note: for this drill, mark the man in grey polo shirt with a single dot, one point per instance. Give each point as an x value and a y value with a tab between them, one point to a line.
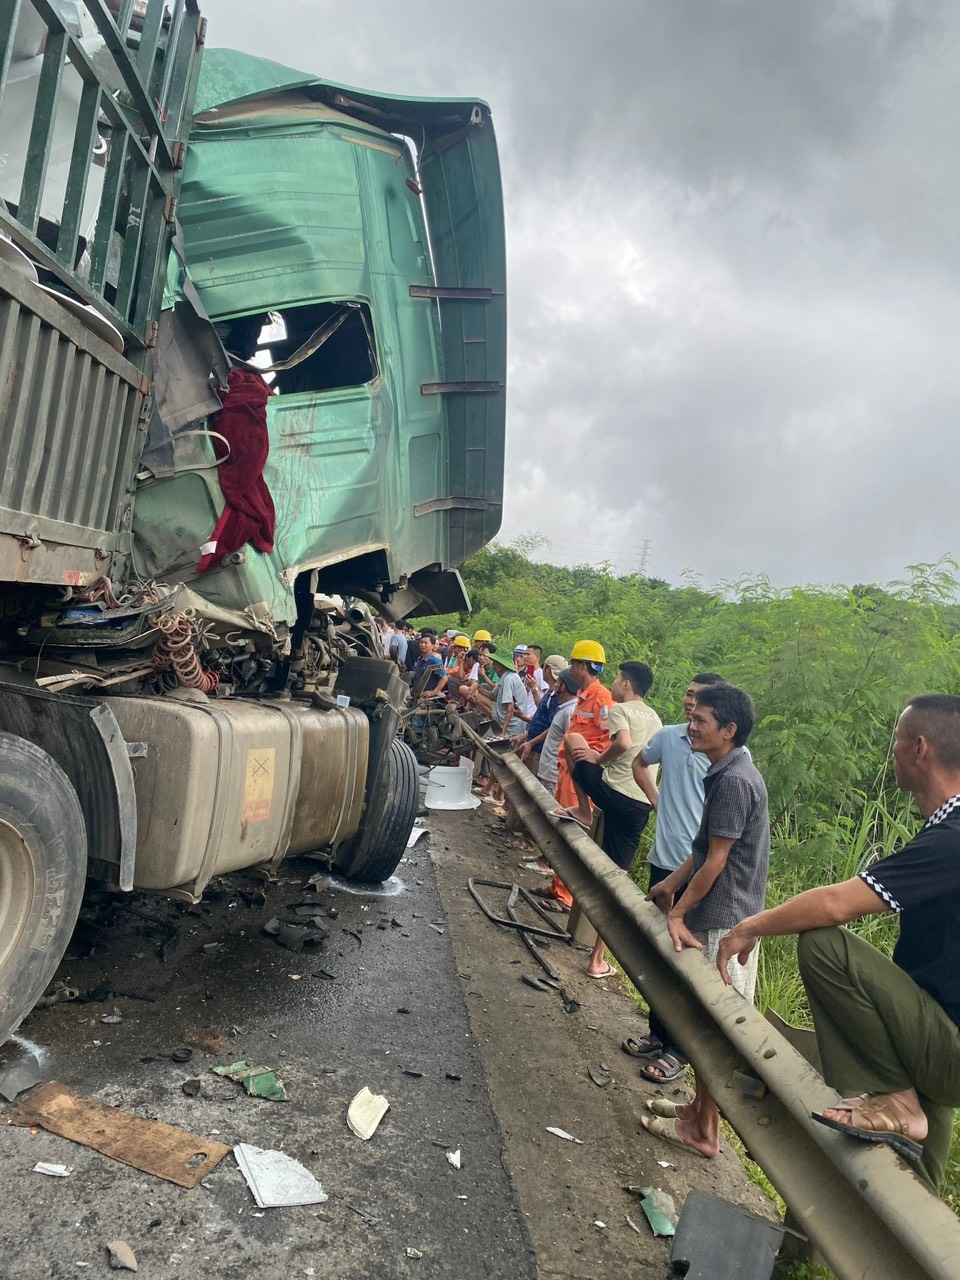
723	881
679	806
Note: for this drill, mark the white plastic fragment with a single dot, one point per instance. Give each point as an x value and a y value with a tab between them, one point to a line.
453	1158
122	1257
365	1113
413	1253
602	1226
562	1133
276	1180
633	1226
53	1170
414	836
665	1164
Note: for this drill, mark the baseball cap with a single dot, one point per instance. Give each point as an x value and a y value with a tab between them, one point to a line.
568	682
556	663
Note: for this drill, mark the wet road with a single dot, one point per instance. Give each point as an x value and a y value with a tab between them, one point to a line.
392	1018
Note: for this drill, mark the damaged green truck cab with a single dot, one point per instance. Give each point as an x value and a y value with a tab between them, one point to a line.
303	204
162	723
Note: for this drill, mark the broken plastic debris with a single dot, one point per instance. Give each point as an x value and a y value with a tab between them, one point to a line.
602	1225
598	1077
665	1164
19	1077
122	1257
191	1087
633	1226
562	1133
413	1253
112	1018
412	839
53	1170
365	1113
276	1180
453	1158
259	1082
659	1210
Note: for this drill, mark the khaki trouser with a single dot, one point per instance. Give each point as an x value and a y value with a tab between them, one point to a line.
878	1032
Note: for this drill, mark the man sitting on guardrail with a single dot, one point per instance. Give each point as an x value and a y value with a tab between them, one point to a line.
722	881
888	1030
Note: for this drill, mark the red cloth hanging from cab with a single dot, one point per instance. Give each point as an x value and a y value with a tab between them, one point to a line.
248	514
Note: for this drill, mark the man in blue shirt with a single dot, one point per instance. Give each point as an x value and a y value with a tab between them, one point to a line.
679	806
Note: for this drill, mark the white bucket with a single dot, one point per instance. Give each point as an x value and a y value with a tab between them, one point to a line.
450	788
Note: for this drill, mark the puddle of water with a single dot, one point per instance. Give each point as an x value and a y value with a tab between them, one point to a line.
389	889
39	1052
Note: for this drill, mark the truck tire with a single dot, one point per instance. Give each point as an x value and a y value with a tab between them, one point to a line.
43	864
375	852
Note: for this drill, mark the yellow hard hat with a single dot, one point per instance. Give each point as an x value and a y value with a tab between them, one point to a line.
481	635
587	651
460	642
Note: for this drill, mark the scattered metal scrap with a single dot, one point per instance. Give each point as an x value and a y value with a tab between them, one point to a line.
552	931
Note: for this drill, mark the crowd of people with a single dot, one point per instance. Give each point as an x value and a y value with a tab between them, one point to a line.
888	1029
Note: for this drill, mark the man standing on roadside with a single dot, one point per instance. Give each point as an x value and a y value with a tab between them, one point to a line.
723	881
888	1030
679	807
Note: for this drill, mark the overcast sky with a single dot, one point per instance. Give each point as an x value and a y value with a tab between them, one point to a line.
733	244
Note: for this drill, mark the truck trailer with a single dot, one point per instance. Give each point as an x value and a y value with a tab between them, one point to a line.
252	388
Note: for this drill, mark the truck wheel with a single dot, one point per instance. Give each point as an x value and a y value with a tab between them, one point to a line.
382	840
43	863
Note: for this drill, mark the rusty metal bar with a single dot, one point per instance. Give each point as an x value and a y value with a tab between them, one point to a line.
869	1215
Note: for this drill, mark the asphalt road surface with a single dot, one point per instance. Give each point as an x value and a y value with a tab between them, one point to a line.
425	1006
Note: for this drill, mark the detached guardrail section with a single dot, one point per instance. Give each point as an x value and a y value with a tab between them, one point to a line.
869	1216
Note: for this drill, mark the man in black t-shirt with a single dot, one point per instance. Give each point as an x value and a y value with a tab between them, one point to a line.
889	1030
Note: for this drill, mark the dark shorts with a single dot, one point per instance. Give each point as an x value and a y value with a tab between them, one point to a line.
623	817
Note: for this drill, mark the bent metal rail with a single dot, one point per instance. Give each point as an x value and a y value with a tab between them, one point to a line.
869	1216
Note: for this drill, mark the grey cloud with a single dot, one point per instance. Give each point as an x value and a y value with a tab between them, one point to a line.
733	256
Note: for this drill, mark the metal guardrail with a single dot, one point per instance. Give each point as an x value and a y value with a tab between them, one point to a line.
869	1216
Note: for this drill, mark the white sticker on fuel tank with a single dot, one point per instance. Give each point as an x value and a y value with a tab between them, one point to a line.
258	783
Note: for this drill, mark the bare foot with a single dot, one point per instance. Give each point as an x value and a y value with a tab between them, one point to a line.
884	1112
690	1136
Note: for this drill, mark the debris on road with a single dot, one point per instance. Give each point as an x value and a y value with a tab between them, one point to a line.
183	1054
453	1158
259	1082
599	1078
208	1040
20	1076
276	1180
659	1210
325	973
562	1133
122	1257
368	1218
111	1019
413	1253
191	1087
296	936
59	993
633	1226
365	1113
717	1239
53	1170
147	1145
